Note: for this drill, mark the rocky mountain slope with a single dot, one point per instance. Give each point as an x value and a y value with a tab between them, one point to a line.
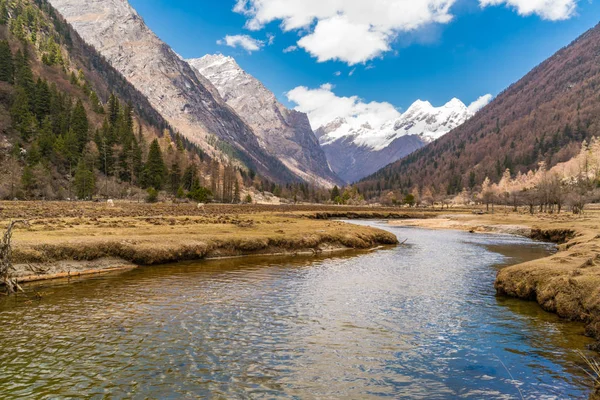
182	96
543	117
358	151
285	133
70	125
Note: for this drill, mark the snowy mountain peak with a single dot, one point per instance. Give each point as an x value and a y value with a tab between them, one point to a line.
371	147
420	119
420	104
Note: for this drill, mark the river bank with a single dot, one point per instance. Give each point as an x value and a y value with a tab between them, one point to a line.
566	283
72	239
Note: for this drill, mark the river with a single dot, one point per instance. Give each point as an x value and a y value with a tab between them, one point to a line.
419	321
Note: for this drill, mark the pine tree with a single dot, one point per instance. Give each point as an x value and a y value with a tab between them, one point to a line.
46	139
23	120
42	100
80	125
96	104
24	75
113	109
335	193
137	164
155	169
7	67
34	155
188	177
175	177
28	180
85	183
3	12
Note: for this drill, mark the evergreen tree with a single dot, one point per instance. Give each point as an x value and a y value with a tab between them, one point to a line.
155	170
96	104
335	193
188	177
33	155
175	177
80	125
24	75
46	139
28	180
113	109
85	183
7	67
3	12
42	99
23	120
137	164
73	79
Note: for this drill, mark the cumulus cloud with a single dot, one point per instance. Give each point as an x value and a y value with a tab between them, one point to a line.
480	103
242	41
352	31
323	106
553	10
356	31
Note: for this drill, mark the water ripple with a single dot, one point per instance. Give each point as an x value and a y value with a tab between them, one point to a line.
418	322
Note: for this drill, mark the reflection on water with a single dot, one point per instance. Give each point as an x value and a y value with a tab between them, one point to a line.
418	321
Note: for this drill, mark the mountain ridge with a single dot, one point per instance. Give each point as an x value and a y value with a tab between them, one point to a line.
285	133
182	96
544	116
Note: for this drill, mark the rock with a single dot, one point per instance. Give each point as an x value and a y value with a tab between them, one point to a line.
182	96
285	133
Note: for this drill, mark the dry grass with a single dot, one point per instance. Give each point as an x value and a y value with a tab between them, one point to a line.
156	234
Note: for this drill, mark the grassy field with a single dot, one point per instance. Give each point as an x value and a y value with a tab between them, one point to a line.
73	237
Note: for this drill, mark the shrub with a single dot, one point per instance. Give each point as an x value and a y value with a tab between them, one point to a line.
152	195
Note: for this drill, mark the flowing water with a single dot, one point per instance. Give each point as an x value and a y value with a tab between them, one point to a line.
419	321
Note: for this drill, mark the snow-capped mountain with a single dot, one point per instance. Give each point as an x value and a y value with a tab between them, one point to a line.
282	132
356	151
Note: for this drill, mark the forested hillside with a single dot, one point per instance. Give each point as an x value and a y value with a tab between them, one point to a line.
72	127
543	117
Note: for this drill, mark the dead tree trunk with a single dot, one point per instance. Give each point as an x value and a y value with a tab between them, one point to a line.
6	267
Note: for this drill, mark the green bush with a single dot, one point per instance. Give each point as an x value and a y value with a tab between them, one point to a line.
152	195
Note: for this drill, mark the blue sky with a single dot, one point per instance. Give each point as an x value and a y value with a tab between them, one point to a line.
480	50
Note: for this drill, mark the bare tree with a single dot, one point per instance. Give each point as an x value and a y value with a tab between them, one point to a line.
6	266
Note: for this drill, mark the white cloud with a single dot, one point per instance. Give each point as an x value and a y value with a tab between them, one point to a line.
290	49
553	10
480	103
356	31
270	39
352	72
323	106
337	73
337	38
352	31
243	41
